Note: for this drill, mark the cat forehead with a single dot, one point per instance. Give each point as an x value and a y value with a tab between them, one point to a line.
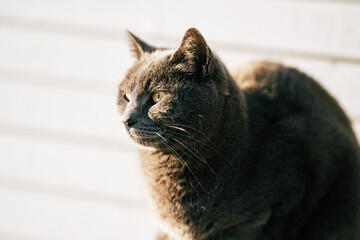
154	60
158	55
152	69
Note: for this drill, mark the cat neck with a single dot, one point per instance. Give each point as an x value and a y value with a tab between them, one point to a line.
181	188
165	170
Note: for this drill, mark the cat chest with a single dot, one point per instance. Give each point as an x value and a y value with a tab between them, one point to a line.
182	218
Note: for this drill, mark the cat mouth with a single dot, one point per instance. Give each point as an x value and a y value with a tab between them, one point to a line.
153	137
146	137
165	137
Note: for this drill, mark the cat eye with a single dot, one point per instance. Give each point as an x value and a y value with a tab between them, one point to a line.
158	96
127	97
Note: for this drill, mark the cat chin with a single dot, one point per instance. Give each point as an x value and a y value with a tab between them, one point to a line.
143	147
139	145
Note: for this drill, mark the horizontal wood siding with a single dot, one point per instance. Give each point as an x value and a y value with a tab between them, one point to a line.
66	169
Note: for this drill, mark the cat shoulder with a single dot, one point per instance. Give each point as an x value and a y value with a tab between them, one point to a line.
292	87
272	79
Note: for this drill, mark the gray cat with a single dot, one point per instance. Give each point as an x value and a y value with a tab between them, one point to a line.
265	153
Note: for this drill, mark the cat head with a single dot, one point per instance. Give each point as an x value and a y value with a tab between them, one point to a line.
170	96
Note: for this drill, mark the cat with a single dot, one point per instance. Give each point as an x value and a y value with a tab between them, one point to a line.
265	153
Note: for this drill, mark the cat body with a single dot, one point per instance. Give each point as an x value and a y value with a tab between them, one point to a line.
264	154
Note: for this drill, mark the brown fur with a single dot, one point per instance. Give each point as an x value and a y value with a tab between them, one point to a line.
265	154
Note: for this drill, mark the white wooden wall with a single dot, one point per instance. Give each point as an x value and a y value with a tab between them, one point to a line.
66	170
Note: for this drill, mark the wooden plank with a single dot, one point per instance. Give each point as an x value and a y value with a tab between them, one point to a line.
61	110
313	27
66	170
48	217
94	59
16	236
321	28
134	14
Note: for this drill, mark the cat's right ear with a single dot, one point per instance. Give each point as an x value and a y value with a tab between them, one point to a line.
138	46
193	54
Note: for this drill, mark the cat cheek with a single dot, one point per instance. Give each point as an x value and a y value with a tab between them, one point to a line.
154	114
158	115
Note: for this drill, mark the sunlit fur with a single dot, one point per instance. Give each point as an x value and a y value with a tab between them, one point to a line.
265	154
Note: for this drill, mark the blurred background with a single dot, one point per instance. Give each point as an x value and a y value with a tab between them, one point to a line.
67	171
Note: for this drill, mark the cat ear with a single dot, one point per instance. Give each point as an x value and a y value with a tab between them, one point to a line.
193	51
138	46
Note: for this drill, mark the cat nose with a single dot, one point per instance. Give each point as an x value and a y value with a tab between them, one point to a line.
129	122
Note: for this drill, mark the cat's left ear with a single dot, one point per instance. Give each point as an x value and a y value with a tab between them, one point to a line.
139	47
193	53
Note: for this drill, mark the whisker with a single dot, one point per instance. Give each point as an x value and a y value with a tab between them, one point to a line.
180	158
195	152
178	126
147	133
201	142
